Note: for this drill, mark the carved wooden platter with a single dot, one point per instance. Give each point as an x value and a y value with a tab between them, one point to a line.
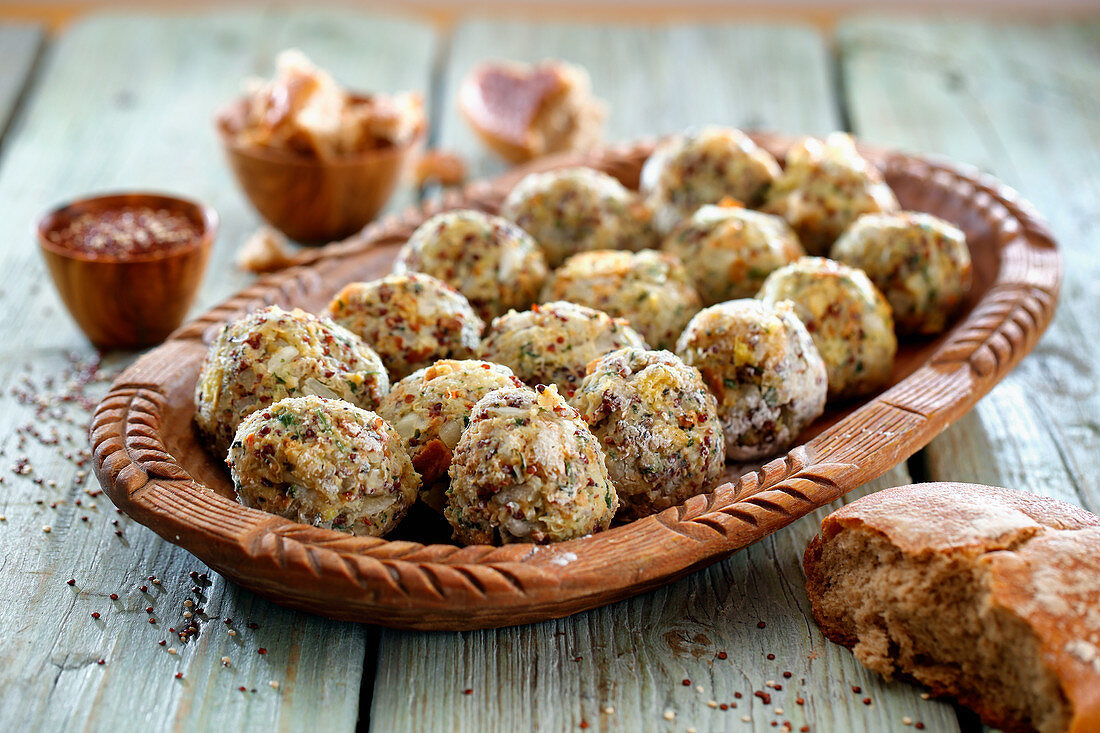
149	460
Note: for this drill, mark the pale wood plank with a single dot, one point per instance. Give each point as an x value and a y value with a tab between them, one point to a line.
19	47
634	655
1021	102
140	116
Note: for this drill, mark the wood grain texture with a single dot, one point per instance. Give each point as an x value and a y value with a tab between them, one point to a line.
19	47
1021	102
141	116
634	655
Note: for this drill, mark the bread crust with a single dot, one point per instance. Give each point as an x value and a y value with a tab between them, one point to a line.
1042	557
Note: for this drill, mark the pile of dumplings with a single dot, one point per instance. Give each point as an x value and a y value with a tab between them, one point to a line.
591	354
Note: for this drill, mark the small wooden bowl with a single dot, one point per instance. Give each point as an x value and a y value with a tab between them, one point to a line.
134	300
314	201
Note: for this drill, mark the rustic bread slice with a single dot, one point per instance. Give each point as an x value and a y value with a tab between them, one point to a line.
986	595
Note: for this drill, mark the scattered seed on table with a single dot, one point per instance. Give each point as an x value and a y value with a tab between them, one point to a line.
670	714
722	655
274	684
71	581
95	614
608	710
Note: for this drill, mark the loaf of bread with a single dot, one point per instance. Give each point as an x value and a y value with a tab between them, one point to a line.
986	595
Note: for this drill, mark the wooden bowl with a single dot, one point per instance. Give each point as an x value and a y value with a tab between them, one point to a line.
314	201
149	459
134	300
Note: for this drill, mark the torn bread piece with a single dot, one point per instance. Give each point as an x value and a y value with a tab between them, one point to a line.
523	112
265	250
986	595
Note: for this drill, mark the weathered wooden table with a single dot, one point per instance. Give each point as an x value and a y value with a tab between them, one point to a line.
124	101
